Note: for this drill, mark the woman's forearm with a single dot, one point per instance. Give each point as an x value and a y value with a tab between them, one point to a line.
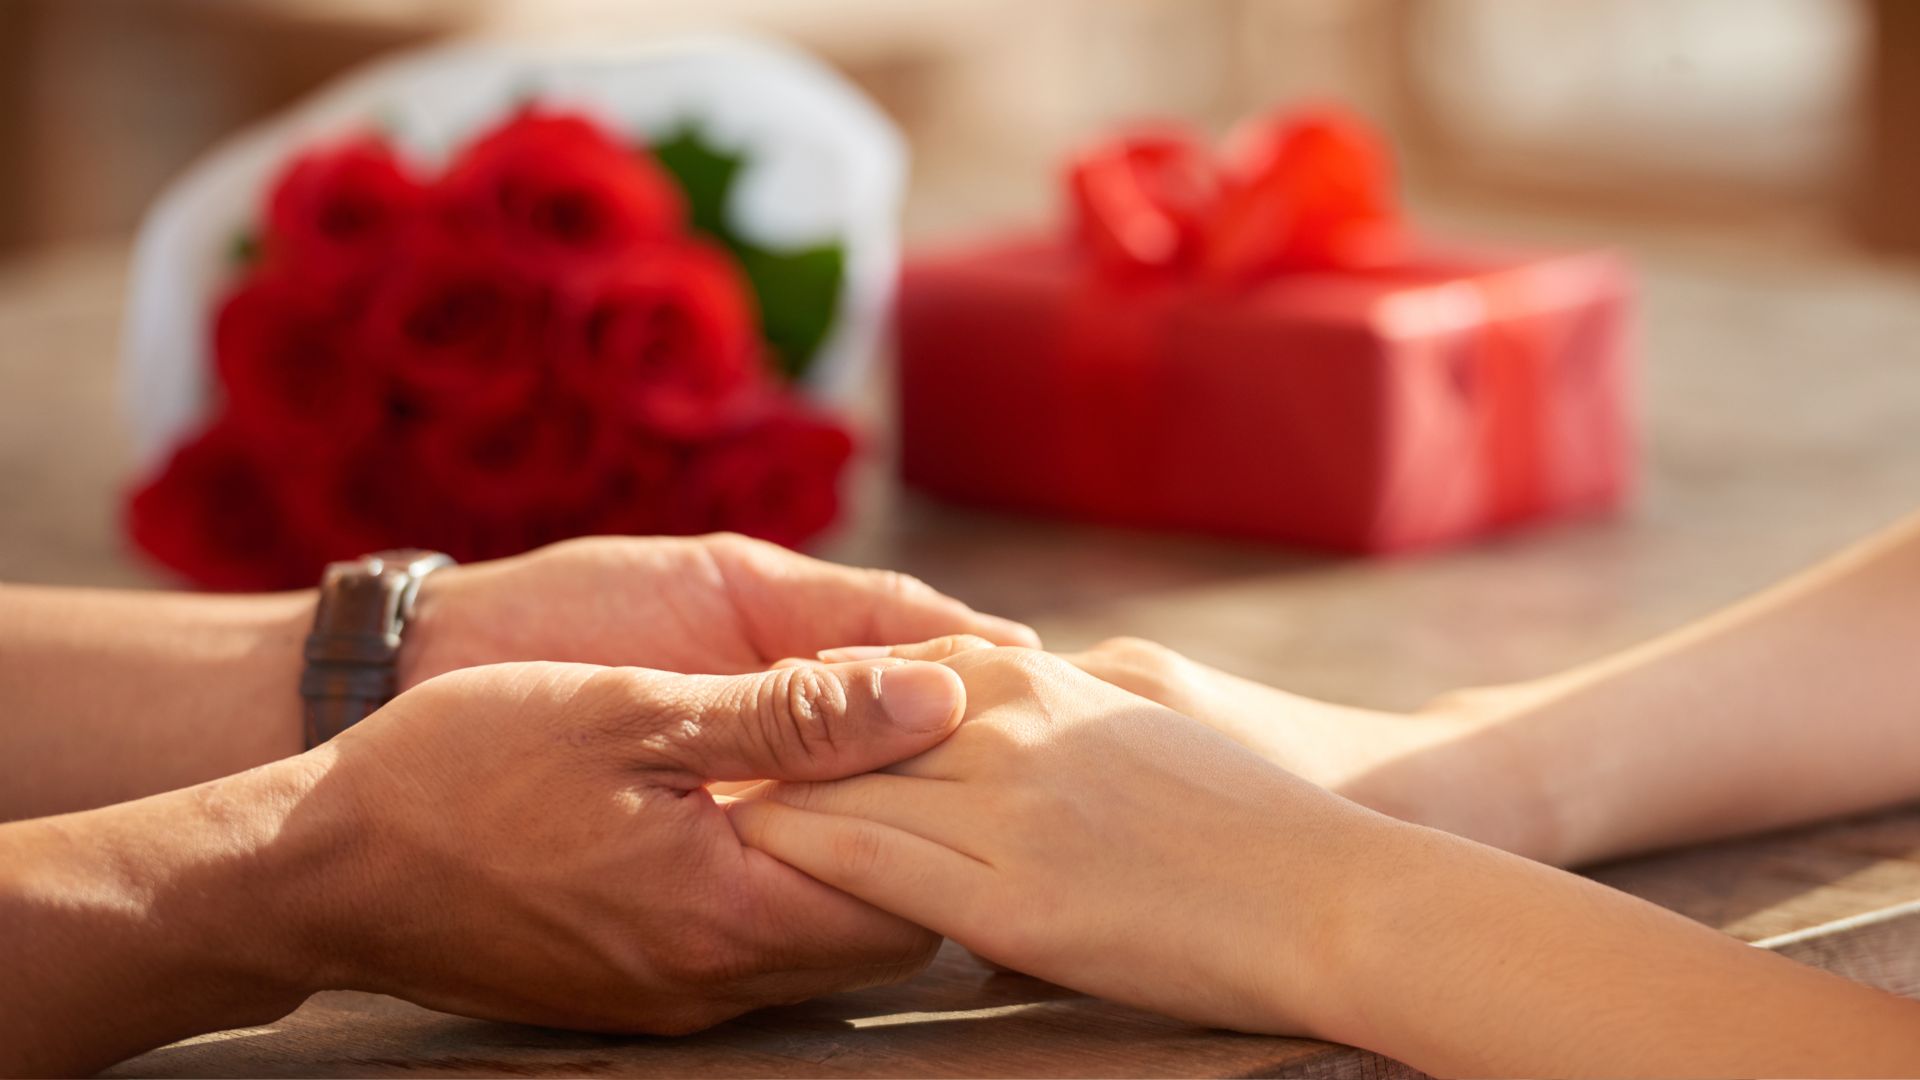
107	696
1465	960
1799	704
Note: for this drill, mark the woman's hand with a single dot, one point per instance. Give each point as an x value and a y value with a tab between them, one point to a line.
1085	835
1088	836
1445	766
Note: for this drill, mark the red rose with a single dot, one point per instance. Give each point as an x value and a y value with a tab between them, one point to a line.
665	338
778	480
1310	190
455	331
552	191
337	210
290	375
369	498
1142	202
215	515
553	453
640	496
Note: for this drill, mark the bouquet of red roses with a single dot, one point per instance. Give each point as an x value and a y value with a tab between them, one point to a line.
555	336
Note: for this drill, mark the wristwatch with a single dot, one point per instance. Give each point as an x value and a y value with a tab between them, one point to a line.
355	643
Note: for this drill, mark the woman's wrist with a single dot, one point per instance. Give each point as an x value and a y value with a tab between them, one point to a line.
1325	982
1473	768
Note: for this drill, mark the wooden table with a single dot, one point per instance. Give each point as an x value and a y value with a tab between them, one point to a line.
1784	413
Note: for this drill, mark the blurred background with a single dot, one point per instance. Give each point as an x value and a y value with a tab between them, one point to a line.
1732	114
1756	157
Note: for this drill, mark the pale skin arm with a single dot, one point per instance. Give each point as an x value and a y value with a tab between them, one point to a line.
1799	704
1321	918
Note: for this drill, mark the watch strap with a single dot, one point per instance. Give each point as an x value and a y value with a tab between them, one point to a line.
353	651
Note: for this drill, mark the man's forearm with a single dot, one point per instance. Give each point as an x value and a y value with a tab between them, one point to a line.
131	926
1465	960
107	696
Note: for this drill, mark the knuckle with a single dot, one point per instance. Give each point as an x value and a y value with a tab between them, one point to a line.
1014	669
797	713
802	708
945	647
1033	666
858	852
800	796
738	548
579	547
897	583
1142	667
1137	650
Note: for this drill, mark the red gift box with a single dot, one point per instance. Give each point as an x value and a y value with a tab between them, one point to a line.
1414	400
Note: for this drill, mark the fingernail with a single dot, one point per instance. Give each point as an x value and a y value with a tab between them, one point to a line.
855	652
920	697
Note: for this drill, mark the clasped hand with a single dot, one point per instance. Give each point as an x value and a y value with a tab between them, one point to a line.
535	841
567	824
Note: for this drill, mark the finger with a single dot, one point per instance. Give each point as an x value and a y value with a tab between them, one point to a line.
796	605
805	928
796	723
938	649
914	878
927	808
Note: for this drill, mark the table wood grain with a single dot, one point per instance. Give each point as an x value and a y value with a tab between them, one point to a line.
1783	414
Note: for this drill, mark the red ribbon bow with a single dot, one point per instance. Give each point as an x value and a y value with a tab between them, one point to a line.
1302	190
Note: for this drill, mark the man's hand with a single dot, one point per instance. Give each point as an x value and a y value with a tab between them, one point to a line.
207	686
715	604
540	847
527	842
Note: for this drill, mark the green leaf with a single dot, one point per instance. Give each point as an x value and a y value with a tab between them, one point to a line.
706	176
797	291
244	249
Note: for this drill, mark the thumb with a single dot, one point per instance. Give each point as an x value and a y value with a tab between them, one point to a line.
814	722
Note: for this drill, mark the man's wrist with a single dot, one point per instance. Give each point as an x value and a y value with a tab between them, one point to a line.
202	909
248	881
436	639
302	852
